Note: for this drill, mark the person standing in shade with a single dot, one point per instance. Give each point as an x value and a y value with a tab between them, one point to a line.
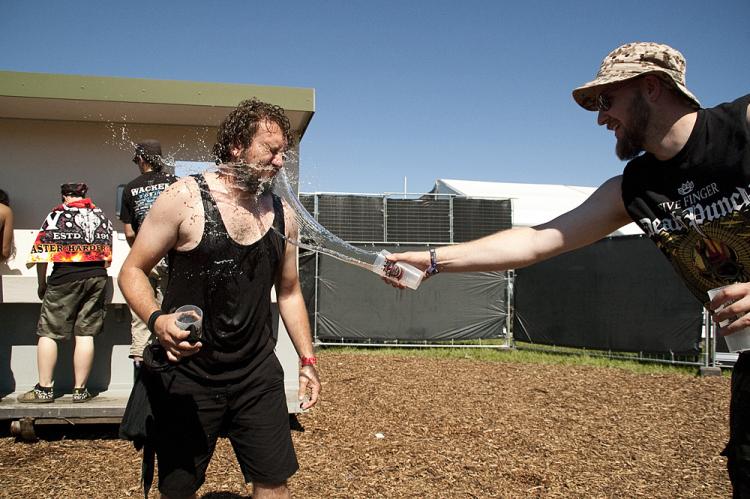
224	233
77	238
686	184
137	199
6	227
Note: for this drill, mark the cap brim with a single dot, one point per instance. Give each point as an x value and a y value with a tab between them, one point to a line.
585	95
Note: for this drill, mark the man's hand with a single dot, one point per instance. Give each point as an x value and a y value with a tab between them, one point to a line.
736	298
174	339
420	259
308	379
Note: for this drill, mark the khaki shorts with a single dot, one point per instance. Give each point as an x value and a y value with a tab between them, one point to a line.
73	308
140	335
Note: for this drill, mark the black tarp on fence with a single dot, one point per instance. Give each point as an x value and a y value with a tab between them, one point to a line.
619	294
353	304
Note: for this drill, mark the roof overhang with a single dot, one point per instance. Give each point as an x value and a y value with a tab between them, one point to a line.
140	101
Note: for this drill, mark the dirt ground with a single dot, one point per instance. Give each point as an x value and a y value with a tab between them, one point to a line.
391	426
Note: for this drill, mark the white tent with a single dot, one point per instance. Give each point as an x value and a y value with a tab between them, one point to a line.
532	204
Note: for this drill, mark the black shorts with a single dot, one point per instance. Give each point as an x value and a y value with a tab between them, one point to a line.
189	417
737	450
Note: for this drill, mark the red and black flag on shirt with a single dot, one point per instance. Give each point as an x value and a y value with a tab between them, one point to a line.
73	232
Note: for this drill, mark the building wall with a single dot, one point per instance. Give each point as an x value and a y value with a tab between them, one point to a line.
39	155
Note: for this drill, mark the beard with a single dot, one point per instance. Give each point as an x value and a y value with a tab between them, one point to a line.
632	144
247	177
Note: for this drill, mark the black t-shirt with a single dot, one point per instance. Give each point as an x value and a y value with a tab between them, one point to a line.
75	271
140	194
696	205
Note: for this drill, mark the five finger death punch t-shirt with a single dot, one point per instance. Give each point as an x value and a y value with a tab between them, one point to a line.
696	205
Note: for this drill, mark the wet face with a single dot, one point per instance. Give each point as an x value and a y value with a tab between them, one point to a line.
624	110
261	160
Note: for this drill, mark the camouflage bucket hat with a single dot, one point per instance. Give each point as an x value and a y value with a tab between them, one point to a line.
632	60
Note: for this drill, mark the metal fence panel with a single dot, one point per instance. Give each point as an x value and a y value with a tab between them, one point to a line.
475	218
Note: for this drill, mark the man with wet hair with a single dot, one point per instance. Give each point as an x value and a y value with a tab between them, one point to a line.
226	251
686	185
137	199
238	129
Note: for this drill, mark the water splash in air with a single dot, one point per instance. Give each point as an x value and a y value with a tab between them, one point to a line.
313	236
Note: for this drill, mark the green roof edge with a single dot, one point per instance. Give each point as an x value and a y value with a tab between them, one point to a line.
142	90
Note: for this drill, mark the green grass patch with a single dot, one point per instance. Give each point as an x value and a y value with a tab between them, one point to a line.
568	358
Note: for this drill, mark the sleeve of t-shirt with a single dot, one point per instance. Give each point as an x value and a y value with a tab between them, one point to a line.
126	211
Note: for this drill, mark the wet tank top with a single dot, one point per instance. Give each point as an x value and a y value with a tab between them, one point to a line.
231	283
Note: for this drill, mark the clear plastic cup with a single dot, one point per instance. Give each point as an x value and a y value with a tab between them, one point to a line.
739	340
190	315
405	274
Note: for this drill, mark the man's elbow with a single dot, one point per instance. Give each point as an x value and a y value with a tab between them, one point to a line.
125	277
288	289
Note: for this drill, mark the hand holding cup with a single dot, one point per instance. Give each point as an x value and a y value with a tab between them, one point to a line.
190	318
180	332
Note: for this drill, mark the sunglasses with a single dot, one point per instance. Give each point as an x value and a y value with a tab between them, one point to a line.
603	102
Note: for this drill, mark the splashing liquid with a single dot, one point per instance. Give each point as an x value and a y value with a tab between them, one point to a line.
315	237
261	180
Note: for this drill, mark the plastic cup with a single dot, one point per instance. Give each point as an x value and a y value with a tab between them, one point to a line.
739	340
406	274
190	315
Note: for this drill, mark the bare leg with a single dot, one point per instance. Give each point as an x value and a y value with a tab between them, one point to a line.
46	358
270	491
83	359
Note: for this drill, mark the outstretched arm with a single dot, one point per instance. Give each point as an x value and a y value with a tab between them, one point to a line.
294	313
601	214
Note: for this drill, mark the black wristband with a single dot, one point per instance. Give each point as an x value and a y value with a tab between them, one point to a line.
152	320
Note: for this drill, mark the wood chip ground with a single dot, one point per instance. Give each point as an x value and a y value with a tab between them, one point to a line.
393	426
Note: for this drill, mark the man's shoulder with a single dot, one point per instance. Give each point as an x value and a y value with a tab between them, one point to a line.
742	101
180	191
736	107
162	176
136	182
152	177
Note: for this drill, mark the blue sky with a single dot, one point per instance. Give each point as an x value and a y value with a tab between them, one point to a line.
424	90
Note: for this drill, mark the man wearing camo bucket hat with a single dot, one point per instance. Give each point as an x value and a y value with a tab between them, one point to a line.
686	184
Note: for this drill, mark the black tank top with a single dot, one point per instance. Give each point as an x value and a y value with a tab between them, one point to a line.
231	283
696	205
